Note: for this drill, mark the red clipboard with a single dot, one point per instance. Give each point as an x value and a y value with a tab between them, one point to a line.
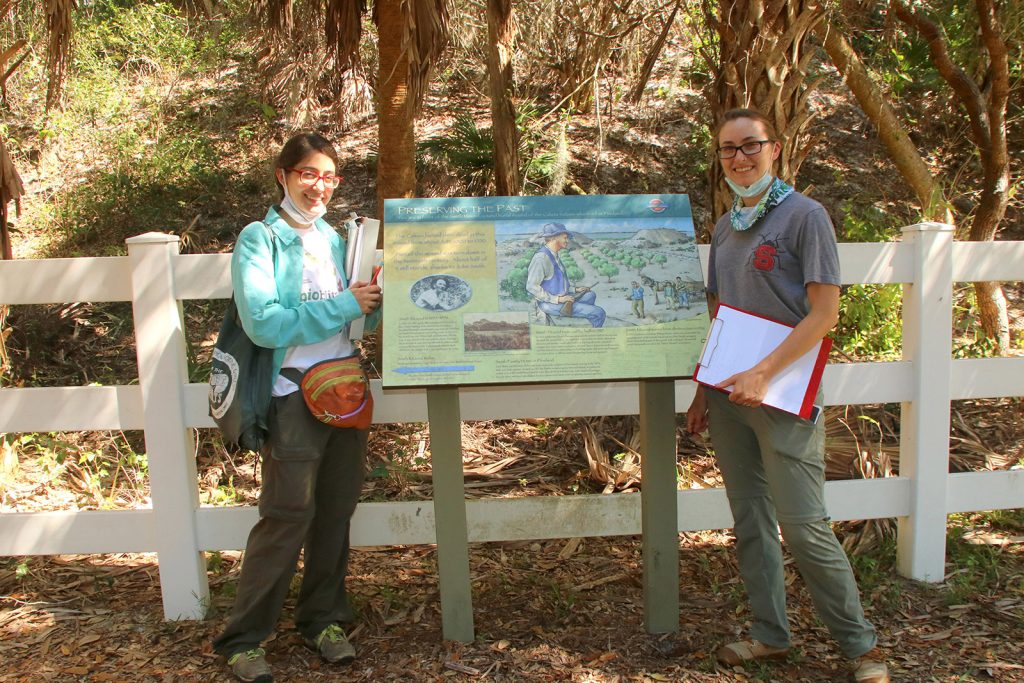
738	340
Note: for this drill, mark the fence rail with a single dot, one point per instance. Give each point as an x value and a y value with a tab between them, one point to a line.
156	279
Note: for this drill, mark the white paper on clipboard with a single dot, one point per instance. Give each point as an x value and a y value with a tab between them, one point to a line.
360	259
739	340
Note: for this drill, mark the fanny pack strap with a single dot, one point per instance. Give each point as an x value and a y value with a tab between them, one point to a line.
293	374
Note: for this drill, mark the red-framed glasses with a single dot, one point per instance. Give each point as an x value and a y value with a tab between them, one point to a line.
309	177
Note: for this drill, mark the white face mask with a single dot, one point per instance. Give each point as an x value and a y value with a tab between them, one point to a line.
298	215
757	188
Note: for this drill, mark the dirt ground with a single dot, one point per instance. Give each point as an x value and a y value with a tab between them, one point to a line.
566	610
559	610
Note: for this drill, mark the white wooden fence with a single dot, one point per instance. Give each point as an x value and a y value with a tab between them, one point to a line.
156	279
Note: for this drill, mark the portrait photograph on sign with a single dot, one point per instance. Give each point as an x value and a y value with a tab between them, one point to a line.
502	290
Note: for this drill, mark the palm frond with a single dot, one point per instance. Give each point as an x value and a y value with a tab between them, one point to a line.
343	27
424	37
467	149
59	28
276	15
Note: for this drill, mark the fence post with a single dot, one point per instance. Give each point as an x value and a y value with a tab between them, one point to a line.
163	373
924	421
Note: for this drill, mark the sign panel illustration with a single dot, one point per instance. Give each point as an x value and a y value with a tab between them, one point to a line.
502	290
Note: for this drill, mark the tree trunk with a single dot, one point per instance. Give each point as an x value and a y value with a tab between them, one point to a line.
992	313
59	28
652	57
396	160
501	30
11	188
762	65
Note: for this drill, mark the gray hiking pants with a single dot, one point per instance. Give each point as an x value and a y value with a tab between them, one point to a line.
773	464
312	477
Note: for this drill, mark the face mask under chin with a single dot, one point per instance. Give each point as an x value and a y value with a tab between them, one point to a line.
757	188
297	214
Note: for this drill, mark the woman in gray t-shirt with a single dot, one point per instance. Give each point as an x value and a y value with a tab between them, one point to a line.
774	254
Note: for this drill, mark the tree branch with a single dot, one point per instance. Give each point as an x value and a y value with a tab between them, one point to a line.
965	89
999	71
901	148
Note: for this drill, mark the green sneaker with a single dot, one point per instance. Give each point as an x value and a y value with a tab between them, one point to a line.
250	666
333	646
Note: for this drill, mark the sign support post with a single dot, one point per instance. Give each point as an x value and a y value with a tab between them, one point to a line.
659	508
450	514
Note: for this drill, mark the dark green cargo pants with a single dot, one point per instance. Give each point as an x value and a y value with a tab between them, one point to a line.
312	477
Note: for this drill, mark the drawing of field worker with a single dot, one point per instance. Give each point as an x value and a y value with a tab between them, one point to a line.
547	282
636	296
682	295
436	297
669	290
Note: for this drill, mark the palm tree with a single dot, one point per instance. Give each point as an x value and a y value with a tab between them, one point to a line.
501	31
411	36
10	182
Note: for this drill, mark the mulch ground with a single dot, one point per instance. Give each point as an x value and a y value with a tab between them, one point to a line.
566	610
562	610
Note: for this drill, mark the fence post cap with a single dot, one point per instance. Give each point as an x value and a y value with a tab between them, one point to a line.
153	238
928	226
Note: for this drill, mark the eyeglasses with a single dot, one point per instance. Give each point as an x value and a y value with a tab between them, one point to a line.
748	148
309	177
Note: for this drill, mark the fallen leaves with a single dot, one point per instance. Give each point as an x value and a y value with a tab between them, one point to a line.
578	619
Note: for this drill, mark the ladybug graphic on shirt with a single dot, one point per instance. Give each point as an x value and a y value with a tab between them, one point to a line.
765	256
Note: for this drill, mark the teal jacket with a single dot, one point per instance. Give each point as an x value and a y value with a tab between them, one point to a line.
267	289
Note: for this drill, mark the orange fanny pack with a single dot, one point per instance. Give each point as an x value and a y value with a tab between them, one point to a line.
337	392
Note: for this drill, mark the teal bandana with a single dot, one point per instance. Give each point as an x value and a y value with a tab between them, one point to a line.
742	220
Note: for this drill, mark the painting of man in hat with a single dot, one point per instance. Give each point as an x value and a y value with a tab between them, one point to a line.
548	283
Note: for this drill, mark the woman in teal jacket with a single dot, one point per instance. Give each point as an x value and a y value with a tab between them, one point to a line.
292	295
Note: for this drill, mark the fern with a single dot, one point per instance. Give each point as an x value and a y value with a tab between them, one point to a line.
469	151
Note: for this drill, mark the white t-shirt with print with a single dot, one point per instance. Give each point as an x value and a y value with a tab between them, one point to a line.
320	280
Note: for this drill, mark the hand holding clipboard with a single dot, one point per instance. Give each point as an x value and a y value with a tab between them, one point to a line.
738	341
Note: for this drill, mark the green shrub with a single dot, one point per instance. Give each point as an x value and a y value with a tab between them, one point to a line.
514	285
134	37
140	159
870	322
469	151
870	316
969	340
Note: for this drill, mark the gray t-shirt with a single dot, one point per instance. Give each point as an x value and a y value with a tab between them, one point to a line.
765	269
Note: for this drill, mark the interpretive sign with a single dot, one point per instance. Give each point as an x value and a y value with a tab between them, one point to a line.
503	290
